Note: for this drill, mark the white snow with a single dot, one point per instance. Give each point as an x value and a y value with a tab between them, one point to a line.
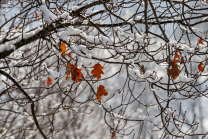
85	22
177	18
138	18
7	46
174	43
92	12
55	74
49	17
170	112
205	18
185	78
131	21
66	16
137	37
195	29
79	63
74	8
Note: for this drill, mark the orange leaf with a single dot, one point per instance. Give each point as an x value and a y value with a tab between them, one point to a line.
174	72
76	74
43	82
200	67
101	91
63	48
200	41
49	81
97	71
113	135
143	69
36	15
69	67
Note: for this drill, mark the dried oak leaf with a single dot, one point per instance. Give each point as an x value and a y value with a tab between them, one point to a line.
200	67
43	82
175	68
36	15
49	81
101	91
76	74
142	69
113	135
97	71
200	41
63	48
69	68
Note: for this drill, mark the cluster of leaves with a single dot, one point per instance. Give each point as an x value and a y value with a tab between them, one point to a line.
76	74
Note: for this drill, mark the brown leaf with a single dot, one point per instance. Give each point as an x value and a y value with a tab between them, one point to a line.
101	91
142	69
113	135
76	74
174	72
200	67
97	71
